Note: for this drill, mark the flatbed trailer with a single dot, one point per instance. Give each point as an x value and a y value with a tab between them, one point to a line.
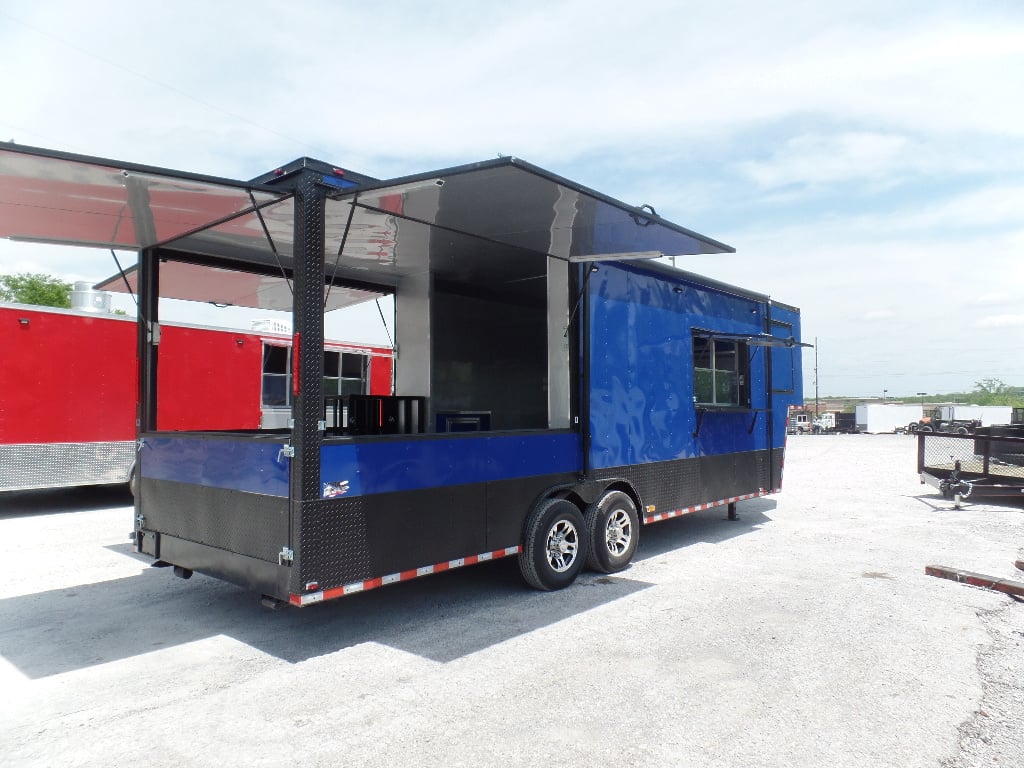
556	387
989	463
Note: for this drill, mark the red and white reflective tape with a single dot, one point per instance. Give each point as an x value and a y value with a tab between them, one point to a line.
394	578
709	505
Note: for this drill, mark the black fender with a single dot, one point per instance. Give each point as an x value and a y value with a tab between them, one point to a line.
584	493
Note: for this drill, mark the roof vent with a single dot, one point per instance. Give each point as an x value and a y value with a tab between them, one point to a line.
87	299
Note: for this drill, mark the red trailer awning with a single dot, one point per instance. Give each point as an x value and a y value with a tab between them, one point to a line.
64	199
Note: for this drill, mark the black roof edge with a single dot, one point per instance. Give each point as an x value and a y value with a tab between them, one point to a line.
784	305
413	178
134	167
289	170
504	161
668	271
639	211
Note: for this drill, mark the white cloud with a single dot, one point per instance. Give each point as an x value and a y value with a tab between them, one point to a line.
1000	321
863	158
993	204
544	81
811	159
879	314
996	298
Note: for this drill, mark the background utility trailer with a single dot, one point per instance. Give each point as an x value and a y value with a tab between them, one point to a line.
879	418
555	389
989	463
69	389
961	419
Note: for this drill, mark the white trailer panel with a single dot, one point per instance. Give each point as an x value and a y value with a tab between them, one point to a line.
876	418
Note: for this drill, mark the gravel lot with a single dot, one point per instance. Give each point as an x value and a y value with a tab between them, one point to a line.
805	634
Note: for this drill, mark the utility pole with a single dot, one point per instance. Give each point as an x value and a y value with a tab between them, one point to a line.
815	377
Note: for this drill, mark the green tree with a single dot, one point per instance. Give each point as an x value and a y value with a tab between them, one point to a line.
29	288
994	392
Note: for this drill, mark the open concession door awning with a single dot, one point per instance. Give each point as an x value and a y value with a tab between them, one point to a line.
519	205
466	221
52	197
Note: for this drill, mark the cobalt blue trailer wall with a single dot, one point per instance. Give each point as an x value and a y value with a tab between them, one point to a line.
786	371
649	423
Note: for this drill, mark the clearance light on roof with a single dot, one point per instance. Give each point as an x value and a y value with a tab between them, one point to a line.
628	256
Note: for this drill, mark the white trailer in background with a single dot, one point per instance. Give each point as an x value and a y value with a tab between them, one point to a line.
877	418
988	415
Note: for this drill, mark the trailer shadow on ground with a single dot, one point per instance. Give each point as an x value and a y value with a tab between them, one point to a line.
58	500
441	618
710	526
939	503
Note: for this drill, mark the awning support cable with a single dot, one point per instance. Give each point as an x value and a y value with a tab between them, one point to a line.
125	278
270	241
385	323
117	226
341	248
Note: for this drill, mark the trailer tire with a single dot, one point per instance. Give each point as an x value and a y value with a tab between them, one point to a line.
613	531
133	480
554	545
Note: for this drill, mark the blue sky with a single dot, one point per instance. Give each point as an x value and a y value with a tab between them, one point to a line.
866	162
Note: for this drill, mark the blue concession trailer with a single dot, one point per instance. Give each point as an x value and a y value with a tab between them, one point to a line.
557	384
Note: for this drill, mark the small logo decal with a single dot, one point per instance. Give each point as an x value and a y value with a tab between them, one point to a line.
335	489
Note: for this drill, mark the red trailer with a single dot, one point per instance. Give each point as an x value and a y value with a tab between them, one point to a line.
69	389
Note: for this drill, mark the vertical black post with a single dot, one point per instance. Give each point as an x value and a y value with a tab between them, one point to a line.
584	324
308	345
146	325
137	191
147	341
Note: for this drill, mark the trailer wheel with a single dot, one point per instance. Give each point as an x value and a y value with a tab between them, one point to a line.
554	547
133	479
613	530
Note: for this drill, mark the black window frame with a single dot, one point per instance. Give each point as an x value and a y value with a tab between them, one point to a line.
336	382
713	350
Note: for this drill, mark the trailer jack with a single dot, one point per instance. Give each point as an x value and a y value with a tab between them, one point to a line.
271	603
954	488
